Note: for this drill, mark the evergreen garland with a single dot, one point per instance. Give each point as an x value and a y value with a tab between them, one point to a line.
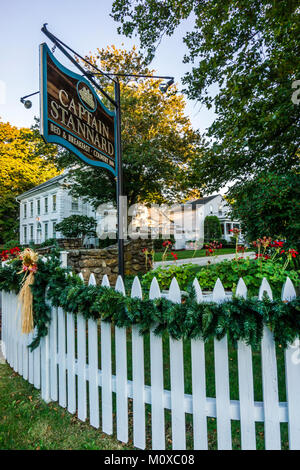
240	319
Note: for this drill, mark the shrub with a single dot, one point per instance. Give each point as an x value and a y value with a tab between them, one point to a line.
212	228
164	276
49	242
251	271
158	242
11	244
77	226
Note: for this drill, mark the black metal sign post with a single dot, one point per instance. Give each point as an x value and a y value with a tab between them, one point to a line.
120	188
116	102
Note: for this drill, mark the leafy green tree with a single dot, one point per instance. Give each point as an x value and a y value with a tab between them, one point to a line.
246	50
25	161
212	228
77	226
159	144
269	206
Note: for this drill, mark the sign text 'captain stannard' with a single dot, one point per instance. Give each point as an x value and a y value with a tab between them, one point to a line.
95	131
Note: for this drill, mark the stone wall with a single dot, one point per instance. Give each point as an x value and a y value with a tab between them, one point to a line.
69	243
105	260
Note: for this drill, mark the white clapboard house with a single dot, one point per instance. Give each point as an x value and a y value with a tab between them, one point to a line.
191	215
44	206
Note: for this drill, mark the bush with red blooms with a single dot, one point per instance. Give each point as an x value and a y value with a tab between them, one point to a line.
10	254
273	250
212	247
167	244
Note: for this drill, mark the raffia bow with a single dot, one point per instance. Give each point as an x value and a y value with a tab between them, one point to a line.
29	267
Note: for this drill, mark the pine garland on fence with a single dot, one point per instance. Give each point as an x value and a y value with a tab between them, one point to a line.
240	319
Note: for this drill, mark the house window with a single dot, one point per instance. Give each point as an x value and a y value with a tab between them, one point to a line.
46	205
39	233
74	204
31	209
25	210
46	230
38	207
220	209
54	202
25	234
54	229
31	233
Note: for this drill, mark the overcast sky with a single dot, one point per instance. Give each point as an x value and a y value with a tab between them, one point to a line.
84	26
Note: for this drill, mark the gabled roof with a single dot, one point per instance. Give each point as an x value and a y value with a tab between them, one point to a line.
202	200
50	182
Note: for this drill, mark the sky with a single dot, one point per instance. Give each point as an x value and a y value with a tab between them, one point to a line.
84	26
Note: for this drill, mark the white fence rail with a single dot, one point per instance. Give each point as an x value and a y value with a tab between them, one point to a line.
77	352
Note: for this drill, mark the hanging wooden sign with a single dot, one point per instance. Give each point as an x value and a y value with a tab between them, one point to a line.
72	114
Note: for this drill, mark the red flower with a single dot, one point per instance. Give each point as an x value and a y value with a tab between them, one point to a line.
293	252
174	255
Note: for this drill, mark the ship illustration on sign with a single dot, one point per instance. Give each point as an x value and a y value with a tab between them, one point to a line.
87	96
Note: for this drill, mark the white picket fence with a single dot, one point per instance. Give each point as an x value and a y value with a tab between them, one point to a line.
59	367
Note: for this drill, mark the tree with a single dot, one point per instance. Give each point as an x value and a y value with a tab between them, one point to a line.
269	206
159	144
77	226
249	52
212	228
25	161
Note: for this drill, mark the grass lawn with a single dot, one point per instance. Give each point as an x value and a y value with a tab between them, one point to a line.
26	422
184	254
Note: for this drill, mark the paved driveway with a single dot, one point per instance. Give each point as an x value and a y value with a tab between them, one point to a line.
203	261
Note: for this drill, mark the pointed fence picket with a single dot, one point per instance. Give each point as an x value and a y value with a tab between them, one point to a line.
199	385
222	380
292	366
246	386
177	380
121	375
62	382
93	366
53	354
62	355
270	381
81	363
106	370
138	377
157	380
